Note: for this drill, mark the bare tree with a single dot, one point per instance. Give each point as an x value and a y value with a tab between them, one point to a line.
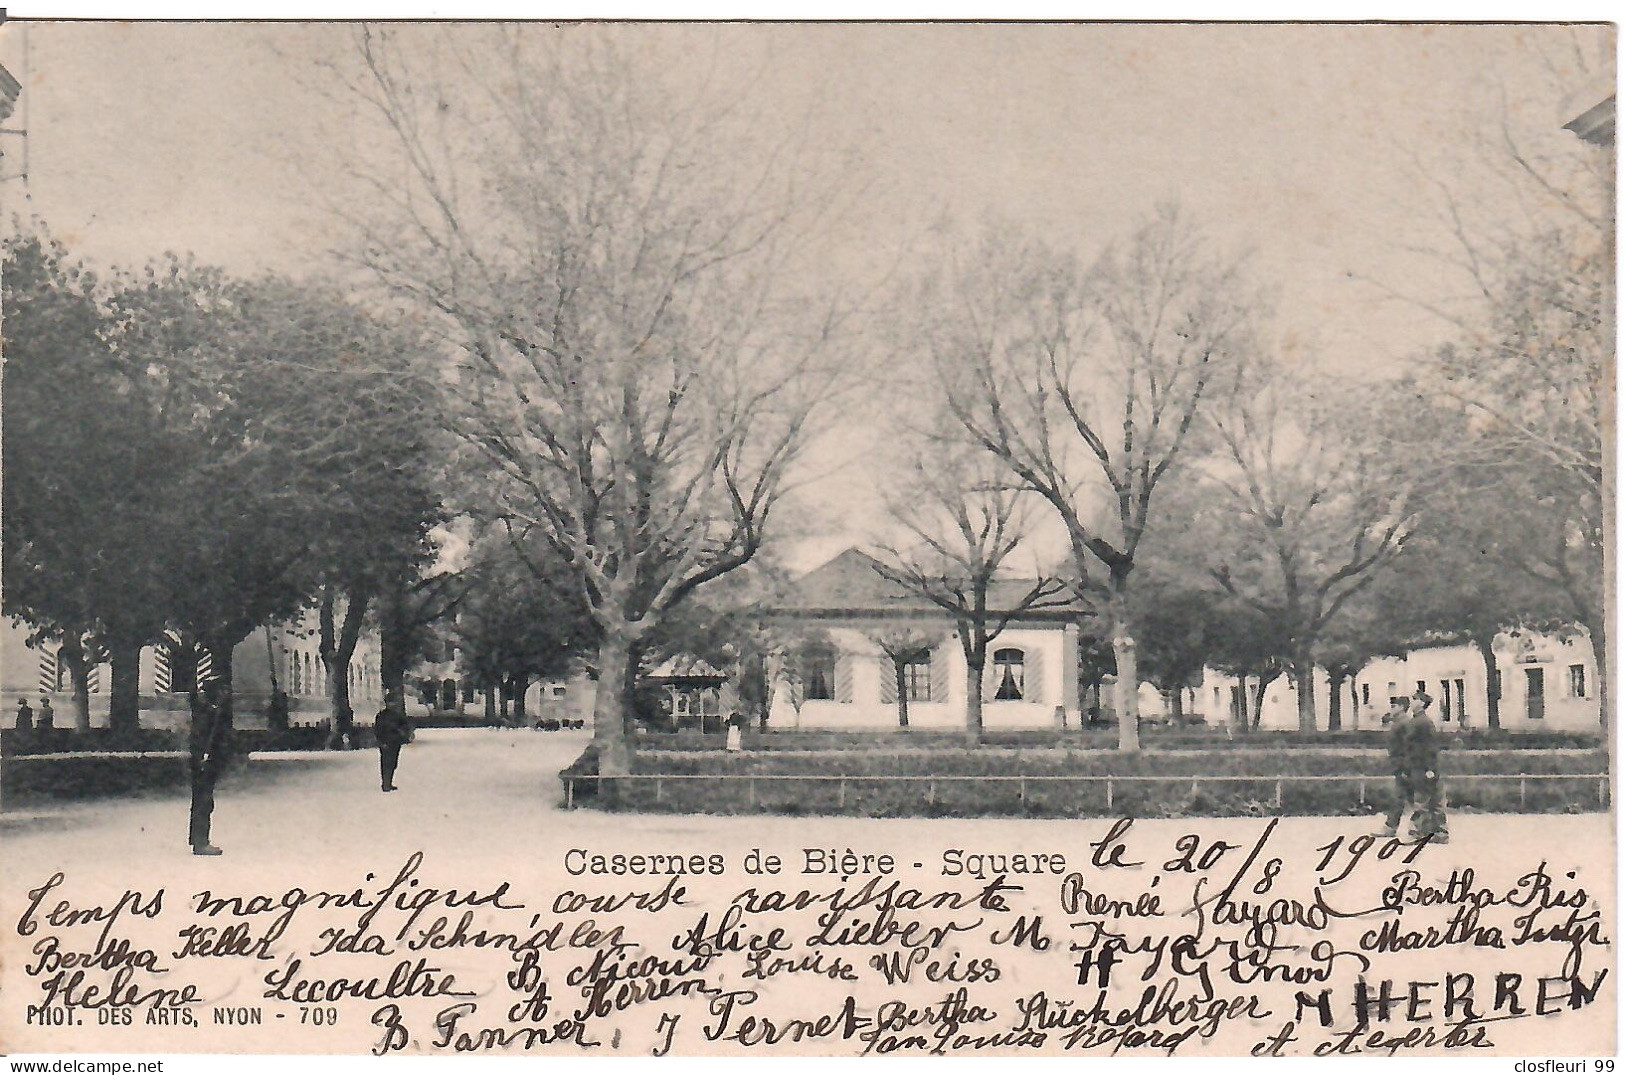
1309	509
611	252
1523	223
966	521
1087	386
902	647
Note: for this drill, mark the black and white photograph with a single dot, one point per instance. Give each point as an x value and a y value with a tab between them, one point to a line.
807	539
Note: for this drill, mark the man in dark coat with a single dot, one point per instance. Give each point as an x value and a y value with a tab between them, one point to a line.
1413	750
391	728
210	742
47	715
25	716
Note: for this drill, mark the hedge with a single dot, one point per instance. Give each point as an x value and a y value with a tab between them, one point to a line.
157	740
1167	784
1184	763
1102	738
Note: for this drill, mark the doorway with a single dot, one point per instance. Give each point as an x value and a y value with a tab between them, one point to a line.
1537	692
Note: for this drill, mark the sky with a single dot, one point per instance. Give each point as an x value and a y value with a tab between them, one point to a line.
1298	145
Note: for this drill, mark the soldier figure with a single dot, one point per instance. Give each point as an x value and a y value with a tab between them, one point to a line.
25	716
1413	748
391	728
210	742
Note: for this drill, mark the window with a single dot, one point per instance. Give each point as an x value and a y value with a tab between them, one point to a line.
558	690
1365	694
818	675
1009	675
917	680
1577	681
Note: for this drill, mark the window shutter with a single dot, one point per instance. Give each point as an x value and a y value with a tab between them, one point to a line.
48	677
843	678
939	674
1032	686
888	679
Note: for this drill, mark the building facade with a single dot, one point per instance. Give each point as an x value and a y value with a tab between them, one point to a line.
284	656
1544	682
841	676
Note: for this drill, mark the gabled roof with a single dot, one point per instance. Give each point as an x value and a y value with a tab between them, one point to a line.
852	584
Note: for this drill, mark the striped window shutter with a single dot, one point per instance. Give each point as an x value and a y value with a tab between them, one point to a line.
163	677
47	671
939	672
205	666
93	679
1032	687
888	679
843	678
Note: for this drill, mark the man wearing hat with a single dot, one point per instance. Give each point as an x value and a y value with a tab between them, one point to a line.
210	742
1413	748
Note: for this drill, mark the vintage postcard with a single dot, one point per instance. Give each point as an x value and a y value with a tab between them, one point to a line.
684	539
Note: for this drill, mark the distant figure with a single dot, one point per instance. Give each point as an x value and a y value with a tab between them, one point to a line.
391	728
25	716
1413	750
730	701
210	742
47	715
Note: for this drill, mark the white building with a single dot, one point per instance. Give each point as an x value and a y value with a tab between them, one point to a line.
286	654
844	679
1544	682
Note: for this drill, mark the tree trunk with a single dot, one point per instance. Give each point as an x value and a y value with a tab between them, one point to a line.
491	707
609	709
1492	693
1176	706
72	654
1598	628
336	649
1354	701
392	653
1128	672
1303	678
220	658
1264	681
518	684
1334	699
124	703
1239	715
973	698
901	681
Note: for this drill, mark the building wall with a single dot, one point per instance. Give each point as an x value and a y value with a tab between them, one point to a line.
1458	681
864	700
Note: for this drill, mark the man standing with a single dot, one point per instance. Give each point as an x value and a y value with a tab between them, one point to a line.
47	715
210	742
391	729
25	717
1413	750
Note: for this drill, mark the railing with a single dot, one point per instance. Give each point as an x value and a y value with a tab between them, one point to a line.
1022	782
